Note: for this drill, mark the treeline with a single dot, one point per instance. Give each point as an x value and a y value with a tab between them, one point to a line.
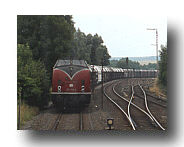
90	48
122	63
41	40
162	78
163	66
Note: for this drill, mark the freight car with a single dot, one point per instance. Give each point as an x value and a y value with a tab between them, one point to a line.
111	73
70	83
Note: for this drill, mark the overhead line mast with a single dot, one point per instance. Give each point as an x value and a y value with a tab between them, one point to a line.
154	29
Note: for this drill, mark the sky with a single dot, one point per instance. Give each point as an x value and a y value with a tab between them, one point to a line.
125	36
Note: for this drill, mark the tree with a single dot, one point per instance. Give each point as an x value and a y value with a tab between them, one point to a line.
102	54
151	66
49	37
90	48
32	79
163	65
113	63
80	49
122	63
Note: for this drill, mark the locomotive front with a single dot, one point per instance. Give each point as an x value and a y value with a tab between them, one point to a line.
70	83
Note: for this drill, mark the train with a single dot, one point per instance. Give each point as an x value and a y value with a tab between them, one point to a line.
111	73
73	81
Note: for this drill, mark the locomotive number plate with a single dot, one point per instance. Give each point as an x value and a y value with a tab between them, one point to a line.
70	85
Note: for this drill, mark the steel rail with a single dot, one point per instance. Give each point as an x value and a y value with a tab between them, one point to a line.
57	121
150	114
131	103
129	119
90	121
146	105
80	121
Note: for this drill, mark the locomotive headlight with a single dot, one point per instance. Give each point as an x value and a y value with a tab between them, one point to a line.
59	88
82	85
82	88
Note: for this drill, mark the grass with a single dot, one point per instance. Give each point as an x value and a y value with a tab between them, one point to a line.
158	89
26	113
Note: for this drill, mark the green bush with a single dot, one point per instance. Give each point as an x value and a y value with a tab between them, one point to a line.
163	66
32	79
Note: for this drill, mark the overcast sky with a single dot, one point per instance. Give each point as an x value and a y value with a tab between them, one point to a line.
125	36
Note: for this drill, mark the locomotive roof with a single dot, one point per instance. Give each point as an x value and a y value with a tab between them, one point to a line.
70	62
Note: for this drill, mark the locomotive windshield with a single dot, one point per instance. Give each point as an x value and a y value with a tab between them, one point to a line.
70	62
71	66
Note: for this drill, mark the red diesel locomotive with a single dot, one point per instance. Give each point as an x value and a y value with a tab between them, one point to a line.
70	83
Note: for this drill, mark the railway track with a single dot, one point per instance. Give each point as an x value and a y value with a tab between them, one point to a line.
147	108
72	119
150	98
146	102
64	121
130	103
57	122
128	117
81	121
135	120
153	99
134	105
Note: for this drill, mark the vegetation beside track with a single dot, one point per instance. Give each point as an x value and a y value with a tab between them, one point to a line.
163	66
27	113
158	89
32	78
160	86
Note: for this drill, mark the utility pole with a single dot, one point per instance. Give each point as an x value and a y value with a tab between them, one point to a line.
157	46
127	61
154	29
102	82
93	80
